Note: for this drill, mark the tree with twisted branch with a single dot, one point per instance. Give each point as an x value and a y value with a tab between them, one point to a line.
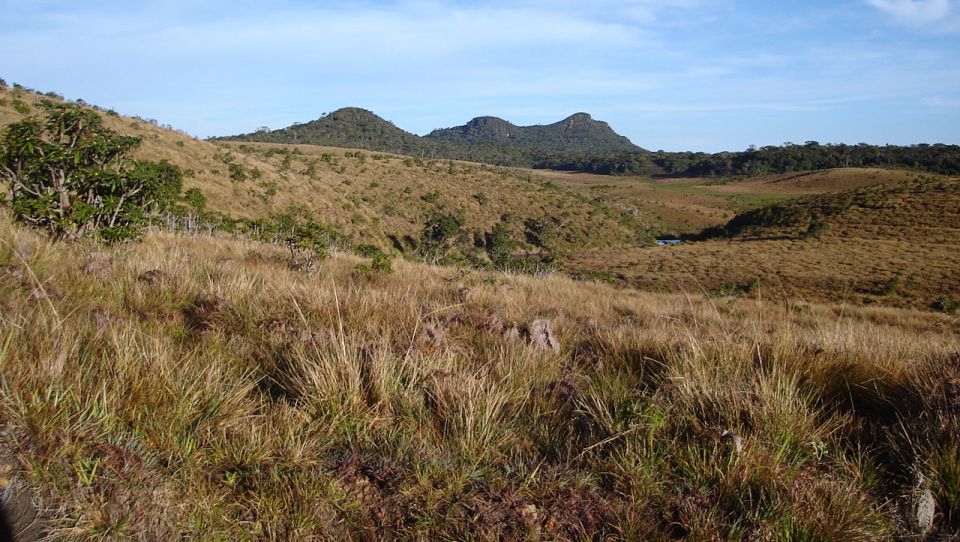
72	176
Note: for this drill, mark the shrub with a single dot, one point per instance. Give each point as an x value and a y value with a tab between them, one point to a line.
21	107
889	287
500	244
71	176
382	263
946	305
431	197
237	173
817	229
195	199
539	231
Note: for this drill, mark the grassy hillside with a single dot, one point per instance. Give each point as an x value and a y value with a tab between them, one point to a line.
688	205
891	244
370	197
197	387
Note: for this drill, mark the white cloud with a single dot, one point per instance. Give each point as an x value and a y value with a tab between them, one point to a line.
939	101
914	12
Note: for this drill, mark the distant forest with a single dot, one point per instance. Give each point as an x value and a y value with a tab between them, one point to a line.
787	158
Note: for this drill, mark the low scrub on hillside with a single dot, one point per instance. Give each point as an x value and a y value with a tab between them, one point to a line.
200	387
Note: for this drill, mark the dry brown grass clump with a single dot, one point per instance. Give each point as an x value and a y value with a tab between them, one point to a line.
198	387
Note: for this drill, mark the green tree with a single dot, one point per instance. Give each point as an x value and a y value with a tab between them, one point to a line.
500	244
438	236
71	176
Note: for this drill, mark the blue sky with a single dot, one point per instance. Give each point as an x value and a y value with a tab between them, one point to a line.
673	75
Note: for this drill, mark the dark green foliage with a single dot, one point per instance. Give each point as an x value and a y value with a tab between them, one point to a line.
438	236
578	133
946	305
500	244
382	263
431	197
71	176
195	199
3	83
349	127
889	287
237	173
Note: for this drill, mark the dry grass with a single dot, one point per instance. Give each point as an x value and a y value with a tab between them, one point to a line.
894	245
376	198
689	205
229	397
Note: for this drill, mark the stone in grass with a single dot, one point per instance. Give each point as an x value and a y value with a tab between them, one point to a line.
733	440
923	507
432	334
152	277
19	519
99	265
541	335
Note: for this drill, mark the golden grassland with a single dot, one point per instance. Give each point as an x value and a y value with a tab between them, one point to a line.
687	205
890	244
199	388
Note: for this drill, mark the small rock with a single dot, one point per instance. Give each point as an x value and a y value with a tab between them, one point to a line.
512	333
275	326
924	507
100	317
542	336
494	324
433	334
17	510
152	277
735	440
13	271
23	249
99	268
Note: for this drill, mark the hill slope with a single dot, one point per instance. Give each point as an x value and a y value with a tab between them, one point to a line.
373	198
891	244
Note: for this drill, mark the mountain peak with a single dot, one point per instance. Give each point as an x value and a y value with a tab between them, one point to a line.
355	127
579	117
576	133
